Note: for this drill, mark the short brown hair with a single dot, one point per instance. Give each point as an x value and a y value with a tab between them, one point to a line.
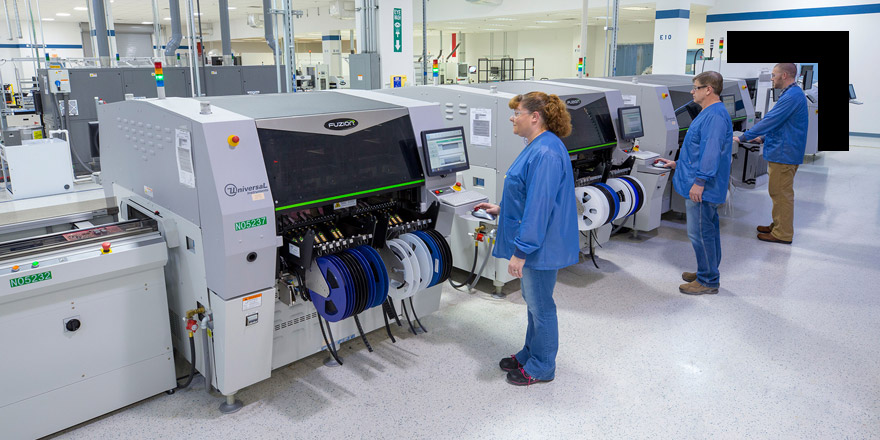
712	79
551	109
788	68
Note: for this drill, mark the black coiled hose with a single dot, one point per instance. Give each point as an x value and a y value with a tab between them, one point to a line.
473	269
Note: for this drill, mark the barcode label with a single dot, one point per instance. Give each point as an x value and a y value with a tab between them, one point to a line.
482	128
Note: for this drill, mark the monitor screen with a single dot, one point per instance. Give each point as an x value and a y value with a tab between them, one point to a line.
852	92
729	104
808	79
629	120
776	93
445	151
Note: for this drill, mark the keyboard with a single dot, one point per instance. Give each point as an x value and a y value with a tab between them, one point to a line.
459	198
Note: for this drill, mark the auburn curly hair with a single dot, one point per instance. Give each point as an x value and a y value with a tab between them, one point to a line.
550	107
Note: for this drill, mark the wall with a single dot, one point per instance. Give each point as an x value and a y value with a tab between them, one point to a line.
863	54
63	40
555	50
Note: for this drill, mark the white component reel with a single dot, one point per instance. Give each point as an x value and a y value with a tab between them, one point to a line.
423	255
627	198
411	271
593	208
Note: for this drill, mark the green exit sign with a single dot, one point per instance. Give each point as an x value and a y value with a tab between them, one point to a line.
30	279
398	30
247	224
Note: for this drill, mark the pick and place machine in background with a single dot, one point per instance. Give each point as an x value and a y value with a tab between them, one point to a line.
597	153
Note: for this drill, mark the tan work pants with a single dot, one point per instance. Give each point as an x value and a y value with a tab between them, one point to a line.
781	189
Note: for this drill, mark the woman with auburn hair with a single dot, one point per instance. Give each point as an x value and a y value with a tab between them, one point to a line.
537	228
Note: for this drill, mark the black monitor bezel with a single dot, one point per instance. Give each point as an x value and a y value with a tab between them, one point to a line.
734	104
807	85
446	170
635	135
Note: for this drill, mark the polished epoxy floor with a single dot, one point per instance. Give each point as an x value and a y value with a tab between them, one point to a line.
789	348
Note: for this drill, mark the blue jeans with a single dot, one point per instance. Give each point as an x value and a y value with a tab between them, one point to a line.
705	235
538	356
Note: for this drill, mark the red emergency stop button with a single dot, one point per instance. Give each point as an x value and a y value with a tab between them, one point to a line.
105	247
233	140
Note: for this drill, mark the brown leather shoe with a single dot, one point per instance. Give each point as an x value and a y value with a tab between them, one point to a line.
765	229
770	238
695	288
689	276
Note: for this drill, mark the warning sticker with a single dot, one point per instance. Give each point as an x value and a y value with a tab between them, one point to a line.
345	204
184	158
251	302
481	126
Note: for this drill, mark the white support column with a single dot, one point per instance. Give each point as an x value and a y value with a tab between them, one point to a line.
671	36
393	59
331	43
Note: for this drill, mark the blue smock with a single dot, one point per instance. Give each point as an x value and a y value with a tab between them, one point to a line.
538	220
705	155
784	128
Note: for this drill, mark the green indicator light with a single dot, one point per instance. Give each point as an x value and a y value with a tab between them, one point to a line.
36	264
160	77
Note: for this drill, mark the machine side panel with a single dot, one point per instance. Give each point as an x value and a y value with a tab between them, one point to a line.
261	79
237	207
243	339
138	153
222	80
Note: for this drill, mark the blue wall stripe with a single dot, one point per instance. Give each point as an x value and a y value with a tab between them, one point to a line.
872	135
795	13
673	13
50	46
331	37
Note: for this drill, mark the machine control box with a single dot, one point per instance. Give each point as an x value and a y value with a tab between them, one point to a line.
59	81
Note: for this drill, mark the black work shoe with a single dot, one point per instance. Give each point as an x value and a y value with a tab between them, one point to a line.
509	363
519	377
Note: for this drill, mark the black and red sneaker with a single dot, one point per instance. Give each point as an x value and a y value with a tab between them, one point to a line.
519	377
510	363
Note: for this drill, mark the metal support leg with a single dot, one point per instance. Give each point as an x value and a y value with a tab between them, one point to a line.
231	405
498	286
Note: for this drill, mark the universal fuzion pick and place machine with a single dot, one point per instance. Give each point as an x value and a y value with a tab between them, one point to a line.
600	158
669	109
249	226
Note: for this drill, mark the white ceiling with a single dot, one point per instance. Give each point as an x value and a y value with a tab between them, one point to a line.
140	11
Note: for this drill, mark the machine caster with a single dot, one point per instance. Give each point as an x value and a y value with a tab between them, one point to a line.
231	405
171	391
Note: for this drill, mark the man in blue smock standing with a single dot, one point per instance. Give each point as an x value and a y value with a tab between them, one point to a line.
785	139
537	228
702	174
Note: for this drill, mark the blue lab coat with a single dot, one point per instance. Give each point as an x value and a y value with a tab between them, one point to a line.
705	155
784	128
538	220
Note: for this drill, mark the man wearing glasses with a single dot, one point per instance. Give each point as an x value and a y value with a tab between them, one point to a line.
702	174
785	131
